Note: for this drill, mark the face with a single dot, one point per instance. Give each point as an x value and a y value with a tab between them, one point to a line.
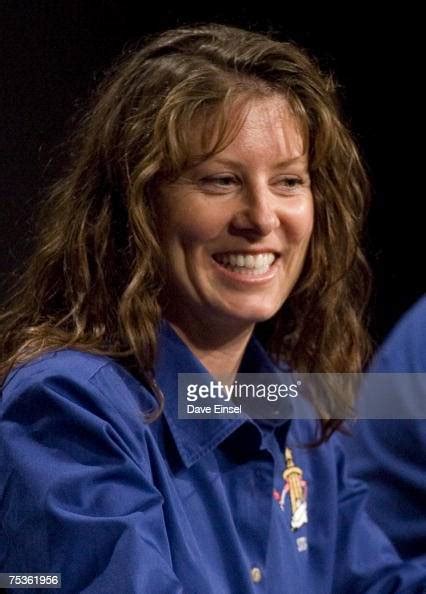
235	228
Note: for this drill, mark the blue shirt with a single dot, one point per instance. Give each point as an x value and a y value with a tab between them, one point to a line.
117	505
390	455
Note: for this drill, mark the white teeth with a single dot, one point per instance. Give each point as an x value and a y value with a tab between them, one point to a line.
247	263
261	260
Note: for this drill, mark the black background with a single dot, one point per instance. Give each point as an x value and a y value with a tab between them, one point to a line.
53	52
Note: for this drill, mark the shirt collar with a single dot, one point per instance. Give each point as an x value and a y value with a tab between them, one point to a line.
196	437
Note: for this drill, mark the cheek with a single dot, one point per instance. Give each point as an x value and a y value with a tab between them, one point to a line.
300	223
193	226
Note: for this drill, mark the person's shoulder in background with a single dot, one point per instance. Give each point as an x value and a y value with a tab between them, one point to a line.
390	454
405	348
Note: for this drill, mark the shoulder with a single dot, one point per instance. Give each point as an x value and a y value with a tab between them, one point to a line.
65	362
412	323
76	376
405	348
79	405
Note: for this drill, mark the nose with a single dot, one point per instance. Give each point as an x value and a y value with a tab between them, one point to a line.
257	214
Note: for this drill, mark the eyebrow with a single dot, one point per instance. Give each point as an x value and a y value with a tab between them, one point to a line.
303	159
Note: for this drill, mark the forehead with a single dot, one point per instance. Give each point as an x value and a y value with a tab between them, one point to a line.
260	129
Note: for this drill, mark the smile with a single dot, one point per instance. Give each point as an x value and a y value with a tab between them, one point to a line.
246	264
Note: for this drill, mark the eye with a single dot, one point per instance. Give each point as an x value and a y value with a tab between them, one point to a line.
292	185
290	182
219	183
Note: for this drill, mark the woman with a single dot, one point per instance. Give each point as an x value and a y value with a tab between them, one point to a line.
213	190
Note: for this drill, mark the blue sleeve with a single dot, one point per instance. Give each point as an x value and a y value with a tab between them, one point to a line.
390	455
405	348
87	507
365	560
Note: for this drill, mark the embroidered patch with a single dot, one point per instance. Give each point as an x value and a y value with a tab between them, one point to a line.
297	489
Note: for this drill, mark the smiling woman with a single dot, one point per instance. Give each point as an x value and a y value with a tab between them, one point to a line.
236	263
209	222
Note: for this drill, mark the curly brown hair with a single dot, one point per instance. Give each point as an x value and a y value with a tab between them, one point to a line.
95	278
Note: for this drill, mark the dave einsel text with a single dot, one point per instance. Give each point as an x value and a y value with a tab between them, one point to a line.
217	409
30	580
225	392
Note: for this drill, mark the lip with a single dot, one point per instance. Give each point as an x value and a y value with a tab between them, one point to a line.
245	279
253	252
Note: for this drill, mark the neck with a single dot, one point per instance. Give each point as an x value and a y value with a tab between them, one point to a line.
219	347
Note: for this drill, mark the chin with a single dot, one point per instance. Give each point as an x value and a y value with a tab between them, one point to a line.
252	315
257	309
